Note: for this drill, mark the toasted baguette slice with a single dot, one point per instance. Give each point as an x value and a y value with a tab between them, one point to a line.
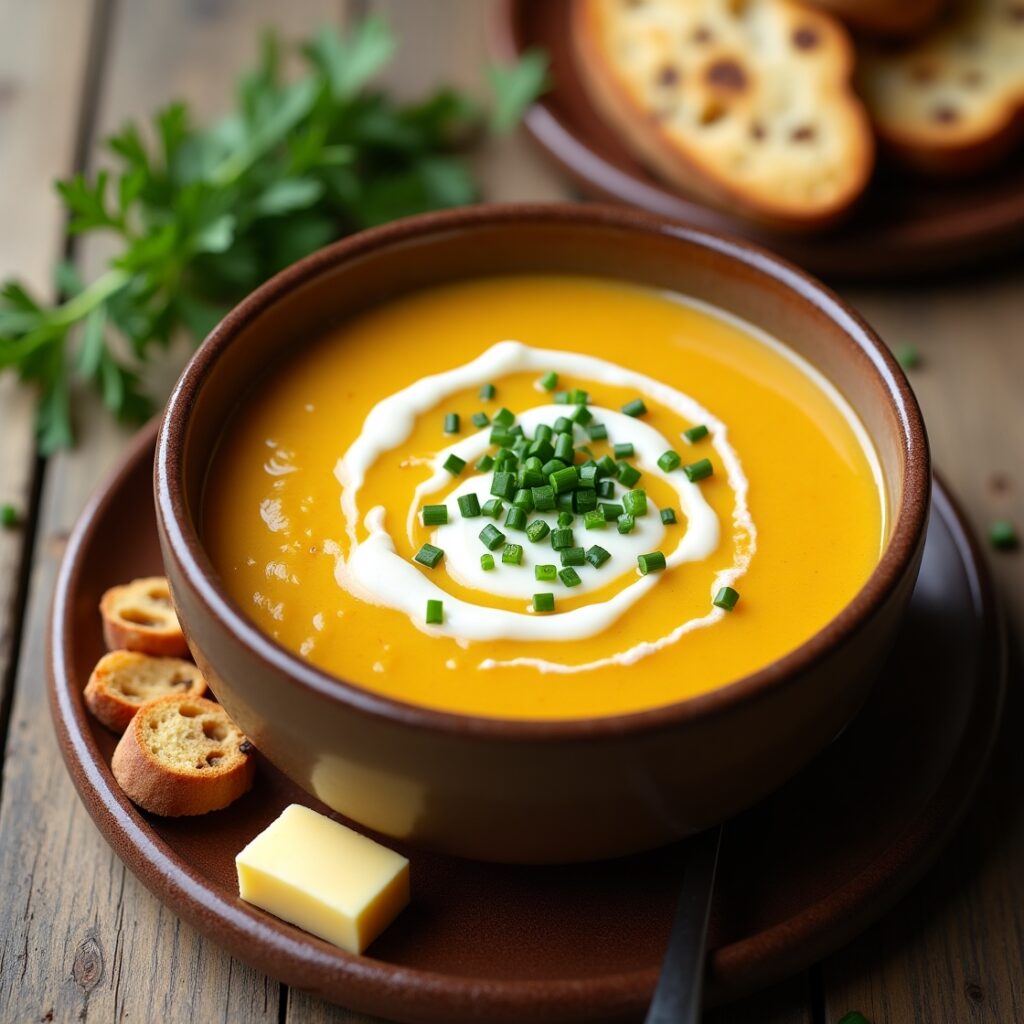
951	102
139	616
183	755
744	103
123	681
885	18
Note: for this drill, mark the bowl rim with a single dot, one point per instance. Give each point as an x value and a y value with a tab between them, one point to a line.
909	519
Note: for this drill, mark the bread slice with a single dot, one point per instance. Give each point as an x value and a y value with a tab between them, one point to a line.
123	681
182	755
139	616
744	103
952	101
884	17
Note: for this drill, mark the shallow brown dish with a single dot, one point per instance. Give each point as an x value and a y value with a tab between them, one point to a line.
539	791
906	226
801	873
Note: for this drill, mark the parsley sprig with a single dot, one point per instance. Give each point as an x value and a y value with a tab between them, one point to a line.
203	215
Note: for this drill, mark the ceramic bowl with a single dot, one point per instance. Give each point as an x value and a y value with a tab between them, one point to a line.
539	791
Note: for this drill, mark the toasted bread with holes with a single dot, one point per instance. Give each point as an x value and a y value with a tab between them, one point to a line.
746	104
885	18
139	616
182	755
123	681
952	101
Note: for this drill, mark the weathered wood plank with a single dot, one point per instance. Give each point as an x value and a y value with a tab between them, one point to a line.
91	941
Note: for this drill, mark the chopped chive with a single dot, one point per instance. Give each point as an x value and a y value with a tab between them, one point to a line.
512	554
504	417
597	432
726	599
487	562
563	480
549	381
669	461
578	397
552	466
435	515
505	461
529	477
623	451
564	502
584	500
628	475
523	499
606	488
698	470
561	539
543	497
435	613
500	436
493	507
454	464
695	434
492	537
635	502
607	466
537	530
635	408
573	556
594	520
668	516
569	576
534	465
452	423
597	556
480	419
429	556
545	573
564	450
517	430
653	562
1002	535
485	463
582	415
561	398
503	485
908	357
8	516
543	602
565	519
487	392
610	512
563	425
516	518
626	523
543	432
469	506
586	451
588	475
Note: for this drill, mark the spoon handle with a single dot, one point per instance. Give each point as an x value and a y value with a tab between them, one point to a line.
677	999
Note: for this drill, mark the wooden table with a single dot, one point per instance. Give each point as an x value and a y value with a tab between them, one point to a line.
80	938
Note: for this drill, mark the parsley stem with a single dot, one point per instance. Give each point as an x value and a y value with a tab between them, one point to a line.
89	298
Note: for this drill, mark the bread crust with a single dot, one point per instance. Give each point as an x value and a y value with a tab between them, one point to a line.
687	168
151	779
884	17
140	616
105	693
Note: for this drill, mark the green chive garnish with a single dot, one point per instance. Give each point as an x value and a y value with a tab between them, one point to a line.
504	417
492	537
499	435
537	530
569	576
563	480
578	397
698	470
908	357
486	463
628	475
606	488
429	556
523	499
493	508
623	451
669	461
480	419
452	423
8	516
543	433
543	602
597	556
435	515
653	562
594	519
561	539
564	448
584	500
668	516
563	502
487	392
487	562
454	464
635	408
563	425
1002	535
565	519
516	519
469	506
611	512
503	485
582	415
549	381
695	434
607	465
512	555
588	474
552	466
543	498
573	556
726	599
435	613
626	523
635	502
597	432
545	573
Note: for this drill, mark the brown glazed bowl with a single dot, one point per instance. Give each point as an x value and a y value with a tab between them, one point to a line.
538	791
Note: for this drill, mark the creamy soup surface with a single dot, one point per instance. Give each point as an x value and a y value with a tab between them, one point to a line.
621	580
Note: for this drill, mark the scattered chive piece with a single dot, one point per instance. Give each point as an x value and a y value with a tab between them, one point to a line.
586	451
588	474
584	500
606	488
537	530
493	508
543	602
726	598
500	436
435	613
454	464
594	519
561	398
492	537
635	408
668	516
607	465
669	461
543	498
563	502
563	425
573	556
530	477
628	475
623	451
523	499
578	397
8	516
452	423
543	433
653	562
695	434
504	417
563	480
564	450
487	392
487	562
597	556
435	515
1003	536
516	518
512	555
597	432
569	576
908	357
503	485
561	539
698	470
486	463
480	419
429	556
545	573
626	523
610	511
552	466
565	519
469	506
549	381
635	502
582	415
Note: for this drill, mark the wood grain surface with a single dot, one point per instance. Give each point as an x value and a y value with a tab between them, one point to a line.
80	939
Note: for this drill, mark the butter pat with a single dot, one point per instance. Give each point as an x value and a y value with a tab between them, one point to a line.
312	872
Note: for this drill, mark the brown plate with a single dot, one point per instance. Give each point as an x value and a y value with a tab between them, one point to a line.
905	227
801	873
